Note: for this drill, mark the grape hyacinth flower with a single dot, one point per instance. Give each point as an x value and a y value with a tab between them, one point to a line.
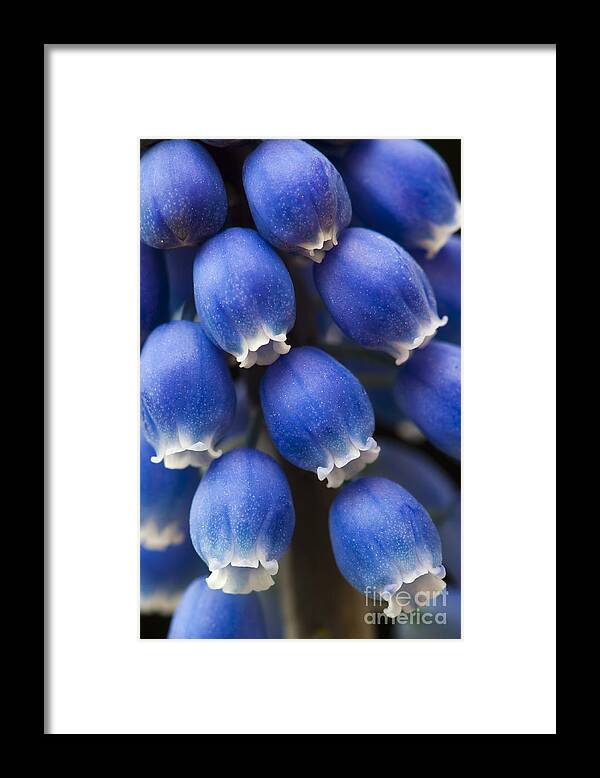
386	545
209	613
165	573
377	294
154	290
443	273
182	195
298	199
244	296
187	395
403	189
165	500
428	390
242	520
318	415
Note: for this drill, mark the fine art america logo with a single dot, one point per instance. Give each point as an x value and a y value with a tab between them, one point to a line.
411	605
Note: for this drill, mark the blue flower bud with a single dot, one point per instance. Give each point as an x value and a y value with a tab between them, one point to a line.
298	199
428	391
182	195
318	414
443	273
377	294
209	613
165	573
244	296
187	395
154	290
403	189
165	500
242	520
385	544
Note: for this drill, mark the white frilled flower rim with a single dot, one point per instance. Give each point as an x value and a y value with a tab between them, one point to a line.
263	348
400	350
317	248
357	457
414	590
181	453
439	234
242	576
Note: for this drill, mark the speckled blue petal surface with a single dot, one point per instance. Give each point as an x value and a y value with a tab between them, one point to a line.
318	415
377	294
165	573
209	613
182	195
187	394
385	542
428	391
165	501
403	189
242	520
443	272
154	290
244	296
298	199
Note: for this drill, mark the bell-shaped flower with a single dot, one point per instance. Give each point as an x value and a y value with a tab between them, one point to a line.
244	296
403	189
164	575
386	545
318	415
154	290
377	294
182	195
187	395
428	391
242	520
443	273
165	500
210	613
298	199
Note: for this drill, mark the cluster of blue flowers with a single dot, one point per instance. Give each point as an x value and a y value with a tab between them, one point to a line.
371	237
